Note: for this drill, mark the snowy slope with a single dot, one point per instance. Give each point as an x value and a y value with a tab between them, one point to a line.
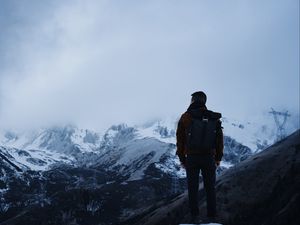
252	134
124	149
163	130
34	159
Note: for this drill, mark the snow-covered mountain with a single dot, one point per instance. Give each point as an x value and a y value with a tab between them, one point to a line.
69	172
120	145
38	150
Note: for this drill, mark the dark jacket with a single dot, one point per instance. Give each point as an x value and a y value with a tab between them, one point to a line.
193	111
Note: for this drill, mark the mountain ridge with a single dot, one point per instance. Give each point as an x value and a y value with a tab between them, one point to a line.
68	143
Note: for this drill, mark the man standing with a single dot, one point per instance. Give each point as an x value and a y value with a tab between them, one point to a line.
200	147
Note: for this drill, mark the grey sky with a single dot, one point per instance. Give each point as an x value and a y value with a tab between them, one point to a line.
95	63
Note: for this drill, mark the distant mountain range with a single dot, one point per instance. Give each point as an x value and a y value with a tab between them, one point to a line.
39	149
71	175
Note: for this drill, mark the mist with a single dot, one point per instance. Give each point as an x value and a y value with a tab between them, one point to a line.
98	63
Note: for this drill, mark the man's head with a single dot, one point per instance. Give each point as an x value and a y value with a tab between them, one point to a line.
199	97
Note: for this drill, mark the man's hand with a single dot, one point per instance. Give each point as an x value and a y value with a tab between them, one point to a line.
217	163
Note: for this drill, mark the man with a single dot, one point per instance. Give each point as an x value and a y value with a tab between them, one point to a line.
200	147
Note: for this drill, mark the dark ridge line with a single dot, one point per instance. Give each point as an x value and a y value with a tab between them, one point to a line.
10	163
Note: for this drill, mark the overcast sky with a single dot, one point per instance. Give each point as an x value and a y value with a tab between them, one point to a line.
95	63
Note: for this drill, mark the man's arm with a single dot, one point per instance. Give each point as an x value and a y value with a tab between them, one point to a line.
180	138
219	144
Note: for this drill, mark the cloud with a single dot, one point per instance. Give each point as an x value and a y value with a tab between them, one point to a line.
95	63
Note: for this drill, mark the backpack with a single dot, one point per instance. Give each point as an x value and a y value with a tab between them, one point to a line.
202	131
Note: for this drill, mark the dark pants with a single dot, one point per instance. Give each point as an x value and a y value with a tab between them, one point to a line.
195	163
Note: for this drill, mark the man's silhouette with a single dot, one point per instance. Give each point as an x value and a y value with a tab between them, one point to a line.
200	147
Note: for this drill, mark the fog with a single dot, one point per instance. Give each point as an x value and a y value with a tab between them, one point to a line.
97	63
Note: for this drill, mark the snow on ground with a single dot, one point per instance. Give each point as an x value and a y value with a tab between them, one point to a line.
226	164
